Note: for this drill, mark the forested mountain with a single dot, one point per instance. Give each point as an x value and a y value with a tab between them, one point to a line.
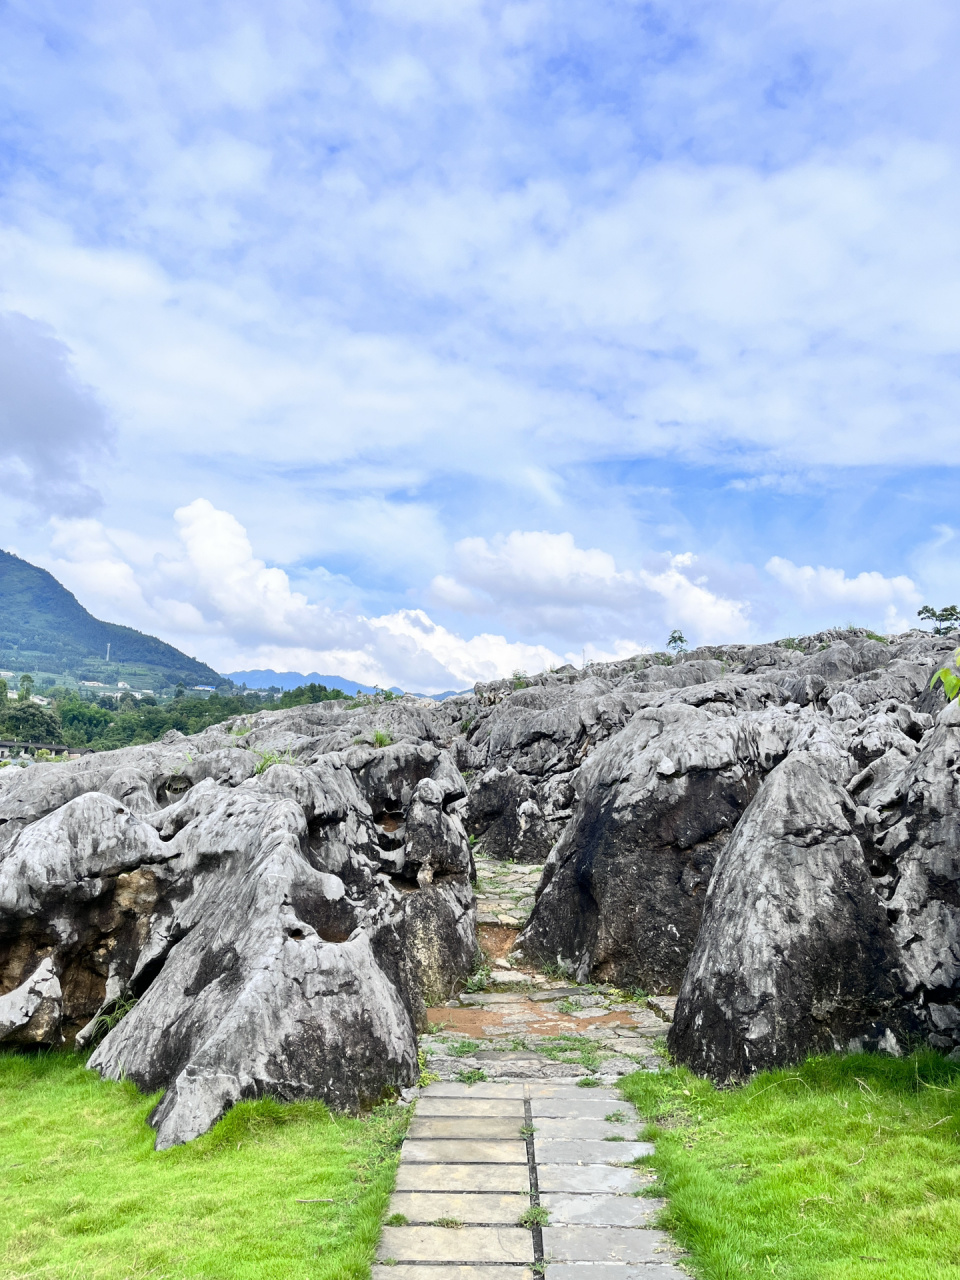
43	627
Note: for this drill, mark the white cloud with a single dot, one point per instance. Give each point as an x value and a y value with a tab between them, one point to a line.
544	581
209	593
816	589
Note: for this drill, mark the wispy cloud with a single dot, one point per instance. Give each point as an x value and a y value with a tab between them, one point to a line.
394	283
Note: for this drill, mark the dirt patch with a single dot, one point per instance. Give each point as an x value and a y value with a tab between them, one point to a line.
496	940
503	1019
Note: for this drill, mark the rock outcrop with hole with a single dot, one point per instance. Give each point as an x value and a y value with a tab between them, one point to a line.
264	912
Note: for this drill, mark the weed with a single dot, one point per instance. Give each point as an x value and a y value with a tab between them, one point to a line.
464	1048
269	758
588	1082
465	725
616	1117
872	635
107	1021
453	1223
480	976
381	738
519	679
535	1216
527	1131
426	1075
397	1220
473	1076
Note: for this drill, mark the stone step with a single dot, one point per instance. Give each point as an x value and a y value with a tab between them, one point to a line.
453	1151
457	1244
470	1106
562	1151
605	1244
503	1178
414	1271
571	1209
587	1178
472	1207
485	1128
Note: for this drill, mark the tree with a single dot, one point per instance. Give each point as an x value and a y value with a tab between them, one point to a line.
180	691
26	687
3	696
677	642
30	723
944	620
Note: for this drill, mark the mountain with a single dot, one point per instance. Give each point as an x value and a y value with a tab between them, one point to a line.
43	628
293	679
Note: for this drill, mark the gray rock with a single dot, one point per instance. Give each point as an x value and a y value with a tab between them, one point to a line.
31	1014
276	936
795	954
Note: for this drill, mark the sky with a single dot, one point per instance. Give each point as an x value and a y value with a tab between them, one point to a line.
422	341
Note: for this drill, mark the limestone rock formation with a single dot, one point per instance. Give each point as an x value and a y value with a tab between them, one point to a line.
281	902
268	907
806	783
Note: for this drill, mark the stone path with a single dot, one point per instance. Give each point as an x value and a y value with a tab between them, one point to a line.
508	1180
545	1031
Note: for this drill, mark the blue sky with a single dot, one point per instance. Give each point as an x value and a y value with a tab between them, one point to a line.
422	341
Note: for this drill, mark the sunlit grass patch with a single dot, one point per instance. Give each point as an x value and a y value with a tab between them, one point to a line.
845	1168
276	1190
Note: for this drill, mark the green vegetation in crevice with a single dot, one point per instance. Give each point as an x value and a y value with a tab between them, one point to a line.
844	1168
274	1190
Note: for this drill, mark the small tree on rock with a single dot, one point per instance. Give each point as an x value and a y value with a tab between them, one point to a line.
944	620
677	642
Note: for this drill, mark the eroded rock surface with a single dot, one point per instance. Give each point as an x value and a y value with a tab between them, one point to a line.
722	770
282	902
769	830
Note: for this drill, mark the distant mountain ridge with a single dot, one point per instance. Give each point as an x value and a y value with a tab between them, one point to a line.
43	627
263	679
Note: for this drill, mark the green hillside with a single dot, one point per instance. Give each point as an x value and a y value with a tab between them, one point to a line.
43	628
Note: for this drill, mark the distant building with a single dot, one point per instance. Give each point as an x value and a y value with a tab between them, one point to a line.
122	684
205	688
11	749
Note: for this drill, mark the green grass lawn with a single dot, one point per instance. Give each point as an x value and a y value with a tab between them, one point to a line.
84	1196
846	1168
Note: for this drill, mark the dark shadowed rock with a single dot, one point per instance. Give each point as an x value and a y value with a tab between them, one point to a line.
623	891
795	954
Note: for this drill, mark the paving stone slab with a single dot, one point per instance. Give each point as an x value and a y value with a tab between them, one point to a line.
603	1244
586	1178
574	1091
587	1107
512	1178
470	1106
485	1089
494	997
457	1244
453	1151
607	1271
574	1128
424	1207
413	1271
561	1151
599	1210
484	1128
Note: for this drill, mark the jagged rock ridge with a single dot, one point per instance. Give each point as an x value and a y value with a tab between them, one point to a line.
769	830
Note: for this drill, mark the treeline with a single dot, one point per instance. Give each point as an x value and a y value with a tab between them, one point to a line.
108	722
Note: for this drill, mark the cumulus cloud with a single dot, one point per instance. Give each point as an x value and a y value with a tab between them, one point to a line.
51	426
209	592
895	599
543	581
